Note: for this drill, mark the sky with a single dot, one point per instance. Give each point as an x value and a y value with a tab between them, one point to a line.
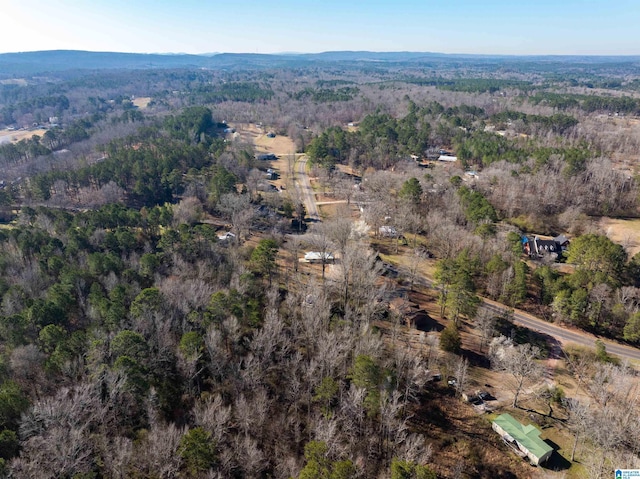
521	27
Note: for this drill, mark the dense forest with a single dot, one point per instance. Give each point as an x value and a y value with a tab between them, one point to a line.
137	340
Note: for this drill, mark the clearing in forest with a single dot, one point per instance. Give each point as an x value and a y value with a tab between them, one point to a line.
257	136
17	135
281	146
623	232
142	102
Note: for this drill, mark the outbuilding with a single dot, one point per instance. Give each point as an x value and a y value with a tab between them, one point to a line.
318	257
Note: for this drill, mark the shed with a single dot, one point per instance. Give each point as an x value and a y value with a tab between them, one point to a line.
525	438
317	257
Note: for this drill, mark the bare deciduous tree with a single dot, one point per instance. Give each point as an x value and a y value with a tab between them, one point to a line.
518	361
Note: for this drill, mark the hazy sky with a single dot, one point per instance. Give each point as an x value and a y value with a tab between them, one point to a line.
265	26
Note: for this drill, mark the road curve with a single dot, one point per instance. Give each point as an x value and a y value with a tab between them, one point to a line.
562	334
559	333
304	189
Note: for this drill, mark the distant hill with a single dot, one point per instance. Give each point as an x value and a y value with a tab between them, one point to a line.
31	63
61	60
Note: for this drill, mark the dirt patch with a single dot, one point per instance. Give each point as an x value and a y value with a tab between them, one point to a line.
142	102
623	232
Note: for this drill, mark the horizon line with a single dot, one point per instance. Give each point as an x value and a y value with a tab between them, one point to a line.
289	53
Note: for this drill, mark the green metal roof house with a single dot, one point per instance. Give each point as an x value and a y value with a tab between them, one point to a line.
525	438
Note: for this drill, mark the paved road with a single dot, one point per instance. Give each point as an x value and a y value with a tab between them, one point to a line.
561	334
304	189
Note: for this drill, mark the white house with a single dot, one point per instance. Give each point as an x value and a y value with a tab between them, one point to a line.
226	236
317	257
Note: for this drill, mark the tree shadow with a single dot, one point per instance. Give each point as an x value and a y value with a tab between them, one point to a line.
424	322
550	347
475	358
430	414
556	462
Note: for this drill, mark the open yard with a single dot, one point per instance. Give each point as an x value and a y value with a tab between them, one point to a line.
142	102
281	146
257	136
624	232
17	135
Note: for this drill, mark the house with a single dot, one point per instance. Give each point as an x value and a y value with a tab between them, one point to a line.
314	257
538	248
413	315
226	236
524	439
447	158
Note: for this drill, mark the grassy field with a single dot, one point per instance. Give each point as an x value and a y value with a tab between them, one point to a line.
17	135
257	136
142	102
624	232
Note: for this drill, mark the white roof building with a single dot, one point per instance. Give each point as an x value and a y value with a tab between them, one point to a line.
317	256
226	236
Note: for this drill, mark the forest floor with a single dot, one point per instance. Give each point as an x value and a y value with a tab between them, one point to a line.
614	130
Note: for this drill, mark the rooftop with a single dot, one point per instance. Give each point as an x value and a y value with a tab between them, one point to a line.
527	436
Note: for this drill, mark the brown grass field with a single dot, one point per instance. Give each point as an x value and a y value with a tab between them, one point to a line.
17	135
257	136
624	232
281	146
142	102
